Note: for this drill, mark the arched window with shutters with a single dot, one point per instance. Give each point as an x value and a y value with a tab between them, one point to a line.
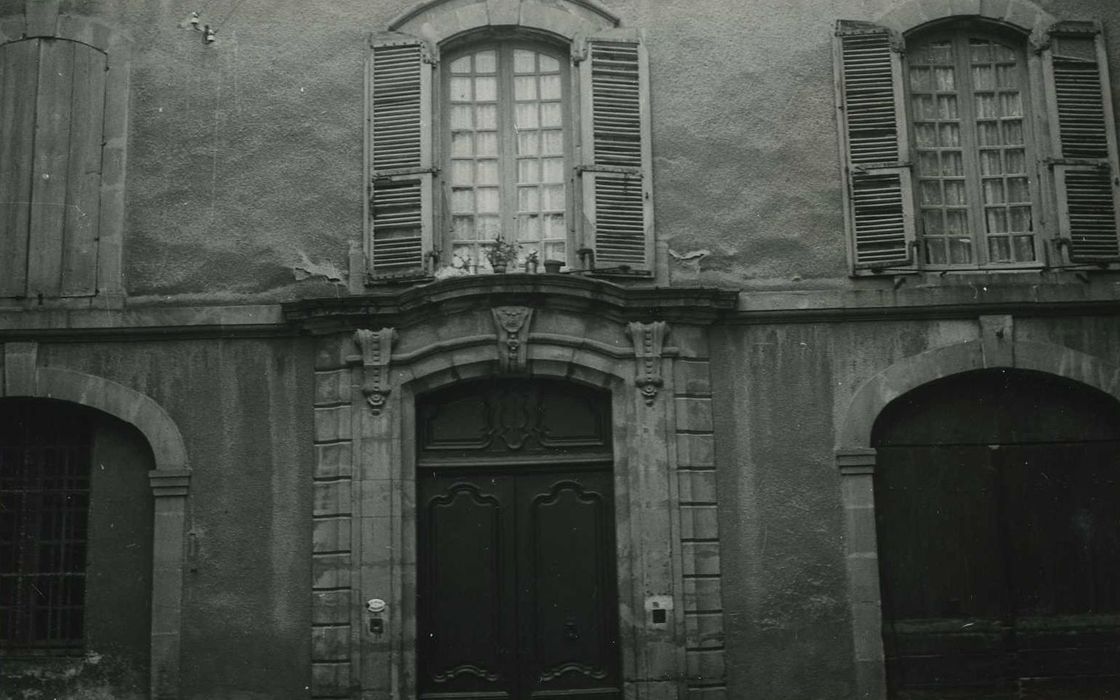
964	151
532	129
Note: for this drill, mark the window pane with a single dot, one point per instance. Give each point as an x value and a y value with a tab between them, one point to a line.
524	61
553	197
552	143
528	170
550	87
462	201
548	64
526	116
485	62
551	114
486	89
487	172
487	143
529	228
486	117
461	89
528	144
461	65
462	172
527	199
487	200
553	170
462	144
525	88
461	117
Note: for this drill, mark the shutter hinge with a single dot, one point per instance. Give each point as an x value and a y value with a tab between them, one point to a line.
1083	162
620	169
867	169
386	176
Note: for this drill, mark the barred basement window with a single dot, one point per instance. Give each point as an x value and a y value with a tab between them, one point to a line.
949	163
44	500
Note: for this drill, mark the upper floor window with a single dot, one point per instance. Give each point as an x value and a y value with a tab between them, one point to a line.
972	150
506	152
530	135
952	163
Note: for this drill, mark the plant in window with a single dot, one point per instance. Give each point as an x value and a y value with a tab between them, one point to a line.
500	253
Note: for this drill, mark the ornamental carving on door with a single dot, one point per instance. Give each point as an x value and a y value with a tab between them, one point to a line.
505	416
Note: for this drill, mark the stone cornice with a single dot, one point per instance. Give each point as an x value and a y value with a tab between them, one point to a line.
407	306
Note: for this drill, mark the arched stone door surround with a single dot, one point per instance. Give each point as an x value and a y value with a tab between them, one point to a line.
23	377
365	543
856	459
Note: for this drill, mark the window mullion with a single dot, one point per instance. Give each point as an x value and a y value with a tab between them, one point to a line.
508	143
970	146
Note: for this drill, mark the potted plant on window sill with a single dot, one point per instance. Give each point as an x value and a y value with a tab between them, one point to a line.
500	253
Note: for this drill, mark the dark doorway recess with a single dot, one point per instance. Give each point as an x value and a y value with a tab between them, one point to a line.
997	498
516	564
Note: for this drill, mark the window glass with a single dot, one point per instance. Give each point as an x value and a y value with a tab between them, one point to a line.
507	147
971	150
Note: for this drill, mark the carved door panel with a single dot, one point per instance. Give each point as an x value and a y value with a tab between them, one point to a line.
517	585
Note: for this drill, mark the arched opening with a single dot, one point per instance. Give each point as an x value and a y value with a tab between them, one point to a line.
76	514
997	500
516	563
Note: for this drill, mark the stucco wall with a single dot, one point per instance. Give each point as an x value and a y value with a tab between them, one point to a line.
244	409
245	157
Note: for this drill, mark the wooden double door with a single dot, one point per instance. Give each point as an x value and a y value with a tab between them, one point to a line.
517	582
997	497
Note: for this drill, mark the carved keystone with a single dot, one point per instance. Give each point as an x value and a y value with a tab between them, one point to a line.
376	348
513	337
649	341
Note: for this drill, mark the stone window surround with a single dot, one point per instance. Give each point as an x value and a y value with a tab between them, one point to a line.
41	19
856	458
21	376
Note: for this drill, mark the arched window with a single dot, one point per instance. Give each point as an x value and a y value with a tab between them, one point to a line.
973	146
506	148
530	127
964	151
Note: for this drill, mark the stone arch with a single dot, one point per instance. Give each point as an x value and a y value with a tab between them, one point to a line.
22	377
854	430
1020	13
856	460
440	20
642	434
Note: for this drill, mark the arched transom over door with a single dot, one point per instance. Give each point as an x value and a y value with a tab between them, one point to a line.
997	497
516	586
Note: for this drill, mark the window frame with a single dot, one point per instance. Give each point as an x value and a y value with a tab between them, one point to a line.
504	41
959	30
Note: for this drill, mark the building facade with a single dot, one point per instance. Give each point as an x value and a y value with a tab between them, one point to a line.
532	348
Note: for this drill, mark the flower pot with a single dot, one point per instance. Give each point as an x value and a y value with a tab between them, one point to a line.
499	268
553	266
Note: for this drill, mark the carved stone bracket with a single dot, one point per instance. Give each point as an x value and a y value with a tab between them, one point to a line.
649	341
376	348
513	337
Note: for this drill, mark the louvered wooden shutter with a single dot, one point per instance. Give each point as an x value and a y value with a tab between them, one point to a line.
872	118
400	139
616	197
1084	142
